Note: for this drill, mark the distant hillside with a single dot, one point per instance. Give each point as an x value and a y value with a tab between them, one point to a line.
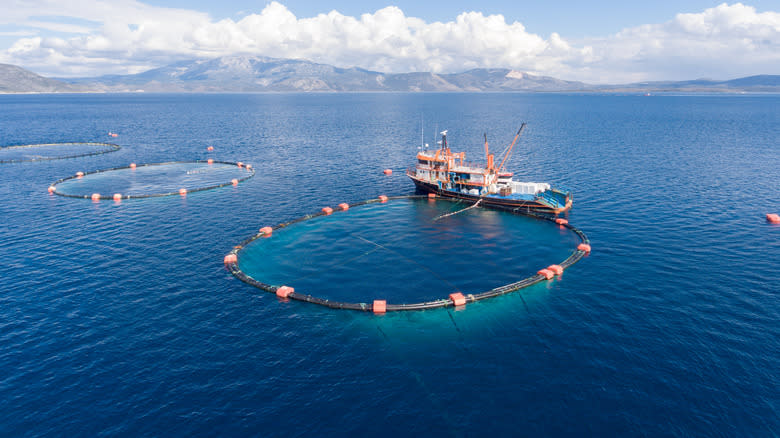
261	74
254	73
15	79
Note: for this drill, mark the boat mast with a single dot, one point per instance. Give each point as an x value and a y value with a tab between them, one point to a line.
509	151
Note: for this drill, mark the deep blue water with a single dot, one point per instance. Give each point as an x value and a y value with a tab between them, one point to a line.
120	319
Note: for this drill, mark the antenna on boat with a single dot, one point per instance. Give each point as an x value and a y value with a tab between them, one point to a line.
486	146
509	151
422	130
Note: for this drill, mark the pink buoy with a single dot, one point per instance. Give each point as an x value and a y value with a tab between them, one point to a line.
231	258
96	196
240	164
556	269
183	192
561	221
548	274
267	231
583	247
210	148
431	195
132	165
284	291
327	210
344	206
388	171
248	167
458	299
773	218
79	174
234	181
382	198
117	197
51	189
380	306
210	161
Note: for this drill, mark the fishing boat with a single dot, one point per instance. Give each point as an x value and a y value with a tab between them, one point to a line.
445	173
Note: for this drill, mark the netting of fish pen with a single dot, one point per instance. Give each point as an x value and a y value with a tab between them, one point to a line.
406	253
53	151
152	180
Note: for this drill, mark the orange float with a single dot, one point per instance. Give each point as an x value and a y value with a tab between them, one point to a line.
380	306
267	231
327	210
548	274
117	197
388	171
458	299
284	291
344	206
556	269
231	258
183	192
382	198
773	218
583	247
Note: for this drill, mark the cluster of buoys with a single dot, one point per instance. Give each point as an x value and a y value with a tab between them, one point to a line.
773	218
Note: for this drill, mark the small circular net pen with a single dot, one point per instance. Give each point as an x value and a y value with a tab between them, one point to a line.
53	151
152	180
344	250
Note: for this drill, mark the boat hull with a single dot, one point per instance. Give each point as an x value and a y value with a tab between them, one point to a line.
521	205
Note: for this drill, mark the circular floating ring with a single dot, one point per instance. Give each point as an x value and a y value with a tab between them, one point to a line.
151	180
57	151
382	306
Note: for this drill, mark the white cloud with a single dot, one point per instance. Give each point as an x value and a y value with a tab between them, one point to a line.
724	41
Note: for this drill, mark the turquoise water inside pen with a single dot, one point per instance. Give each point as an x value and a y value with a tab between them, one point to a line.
120	318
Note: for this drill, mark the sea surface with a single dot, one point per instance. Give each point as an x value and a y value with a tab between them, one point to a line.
119	319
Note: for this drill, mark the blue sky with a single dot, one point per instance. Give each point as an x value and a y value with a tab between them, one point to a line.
571	18
598	42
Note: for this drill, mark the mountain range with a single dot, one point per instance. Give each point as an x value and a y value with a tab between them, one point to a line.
261	74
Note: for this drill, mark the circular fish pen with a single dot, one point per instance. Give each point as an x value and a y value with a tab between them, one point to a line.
439	246
53	151
152	180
